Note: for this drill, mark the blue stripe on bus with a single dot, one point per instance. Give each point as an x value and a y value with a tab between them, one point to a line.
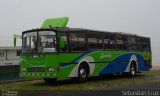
121	66
77	59
64	65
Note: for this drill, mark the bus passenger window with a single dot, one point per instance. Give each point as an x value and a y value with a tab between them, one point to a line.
121	42
77	41
95	40
146	44
109	41
64	35
131	43
139	43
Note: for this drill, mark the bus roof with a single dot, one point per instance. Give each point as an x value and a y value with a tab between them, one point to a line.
67	29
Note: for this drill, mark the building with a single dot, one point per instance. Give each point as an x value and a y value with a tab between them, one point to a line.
9	62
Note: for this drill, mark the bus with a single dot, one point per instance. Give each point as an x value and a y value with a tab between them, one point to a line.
63	52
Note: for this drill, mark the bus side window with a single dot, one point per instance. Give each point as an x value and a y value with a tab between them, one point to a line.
139	44
146	44
94	41
77	41
124	38
64	35
109	41
121	42
132	45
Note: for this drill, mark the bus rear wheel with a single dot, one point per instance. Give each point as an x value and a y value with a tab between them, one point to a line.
132	72
50	80
82	74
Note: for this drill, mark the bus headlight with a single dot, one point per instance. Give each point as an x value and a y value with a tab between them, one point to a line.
23	69
51	69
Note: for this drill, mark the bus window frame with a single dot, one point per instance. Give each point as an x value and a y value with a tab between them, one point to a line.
114	41
148	43
81	32
124	41
95	32
58	34
135	43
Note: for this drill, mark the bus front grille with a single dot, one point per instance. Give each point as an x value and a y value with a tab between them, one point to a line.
36	69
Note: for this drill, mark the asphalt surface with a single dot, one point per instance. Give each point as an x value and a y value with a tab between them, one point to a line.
144	86
153	88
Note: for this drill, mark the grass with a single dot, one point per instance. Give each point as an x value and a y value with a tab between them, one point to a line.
92	83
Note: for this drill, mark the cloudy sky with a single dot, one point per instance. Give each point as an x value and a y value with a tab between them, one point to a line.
140	17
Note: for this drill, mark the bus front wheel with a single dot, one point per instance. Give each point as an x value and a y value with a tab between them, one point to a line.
82	73
50	80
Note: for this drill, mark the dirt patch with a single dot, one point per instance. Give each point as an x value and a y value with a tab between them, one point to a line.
155	68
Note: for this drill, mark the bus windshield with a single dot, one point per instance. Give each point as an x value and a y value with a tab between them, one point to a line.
39	42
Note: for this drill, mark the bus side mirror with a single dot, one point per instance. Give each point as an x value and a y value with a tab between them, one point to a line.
61	42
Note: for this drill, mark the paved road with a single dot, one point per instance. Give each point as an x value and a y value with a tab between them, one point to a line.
145	86
111	91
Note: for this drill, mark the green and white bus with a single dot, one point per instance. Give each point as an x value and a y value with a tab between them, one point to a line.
72	52
62	52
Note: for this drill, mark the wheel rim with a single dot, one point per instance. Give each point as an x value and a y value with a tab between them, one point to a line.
82	73
132	71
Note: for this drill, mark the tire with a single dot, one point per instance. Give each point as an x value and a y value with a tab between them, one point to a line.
82	74
50	80
132	72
